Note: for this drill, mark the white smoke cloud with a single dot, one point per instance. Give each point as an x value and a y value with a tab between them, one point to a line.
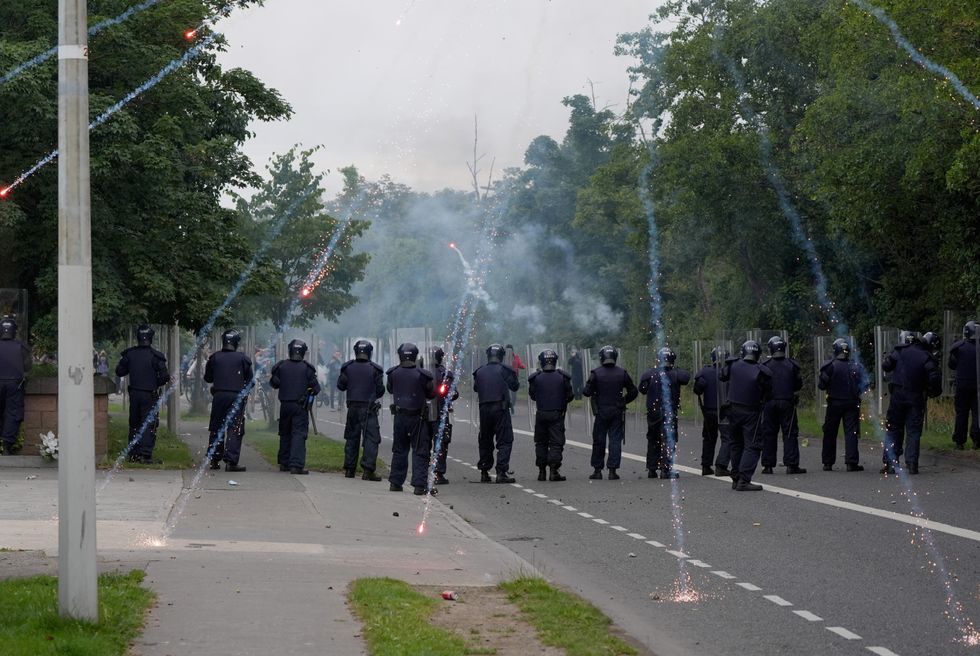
591	314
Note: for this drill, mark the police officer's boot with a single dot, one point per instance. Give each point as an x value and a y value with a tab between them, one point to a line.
854	468
542	475
484	476
502	477
283	468
596	475
913	468
299	471
215	463
795	469
669	474
555	475
613	476
707	471
441	479
767	469
722	471
229	467
746	486
369	475
348	473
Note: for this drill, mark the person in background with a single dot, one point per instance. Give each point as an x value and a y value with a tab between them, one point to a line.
963	361
513	360
333	374
15	362
713	398
577	372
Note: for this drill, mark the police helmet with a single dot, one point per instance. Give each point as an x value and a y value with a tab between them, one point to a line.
297	350
842	350
363	350
908	337
777	346
751	350
608	355
667	357
8	328
230	340
970	330
408	352
495	353
548	360
144	335
932	342
719	353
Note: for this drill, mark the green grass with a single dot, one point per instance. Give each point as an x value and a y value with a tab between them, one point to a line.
31	625
323	454
396	622
169	447
565	621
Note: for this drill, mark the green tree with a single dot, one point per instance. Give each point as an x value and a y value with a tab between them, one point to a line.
302	279
163	247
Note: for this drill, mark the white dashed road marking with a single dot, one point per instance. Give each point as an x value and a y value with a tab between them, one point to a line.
599	521
637	536
554	501
699	563
585	514
619	528
678	554
723	574
844	633
541	496
571	508
654	543
882	651
748	586
779	601
808	616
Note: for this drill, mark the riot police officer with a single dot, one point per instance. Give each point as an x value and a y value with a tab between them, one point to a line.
915	375
15	362
551	390
779	412
147	371
963	360
662	411
363	381
298	386
845	382
230	375
712	396
493	383
410	387
440	412
610	389
749	383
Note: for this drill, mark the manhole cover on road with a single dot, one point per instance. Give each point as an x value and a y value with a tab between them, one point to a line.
522	538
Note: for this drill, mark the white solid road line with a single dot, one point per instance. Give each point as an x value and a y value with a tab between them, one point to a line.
920	522
844	633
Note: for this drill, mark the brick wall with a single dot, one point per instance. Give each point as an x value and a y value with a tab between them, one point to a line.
41	414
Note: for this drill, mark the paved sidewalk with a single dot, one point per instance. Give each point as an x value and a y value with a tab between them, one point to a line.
260	567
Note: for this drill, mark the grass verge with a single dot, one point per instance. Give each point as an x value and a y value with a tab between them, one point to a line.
323	454
565	621
169	448
31	624
396	620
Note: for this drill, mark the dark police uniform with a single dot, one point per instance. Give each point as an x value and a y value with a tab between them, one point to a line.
229	373
713	398
748	387
551	391
610	389
295	380
963	360
493	383
915	373
780	413
438	407
363	381
147	371
843	382
410	387
662	417
15	361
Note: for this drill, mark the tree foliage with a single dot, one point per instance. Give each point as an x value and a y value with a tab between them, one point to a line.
163	247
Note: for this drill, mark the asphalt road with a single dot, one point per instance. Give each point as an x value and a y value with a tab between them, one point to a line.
822	563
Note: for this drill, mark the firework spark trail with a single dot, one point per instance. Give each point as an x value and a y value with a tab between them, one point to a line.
882	17
209	326
969	632
240	399
128	98
683	591
459	340
92	31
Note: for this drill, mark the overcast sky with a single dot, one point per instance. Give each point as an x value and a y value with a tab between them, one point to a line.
393	85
